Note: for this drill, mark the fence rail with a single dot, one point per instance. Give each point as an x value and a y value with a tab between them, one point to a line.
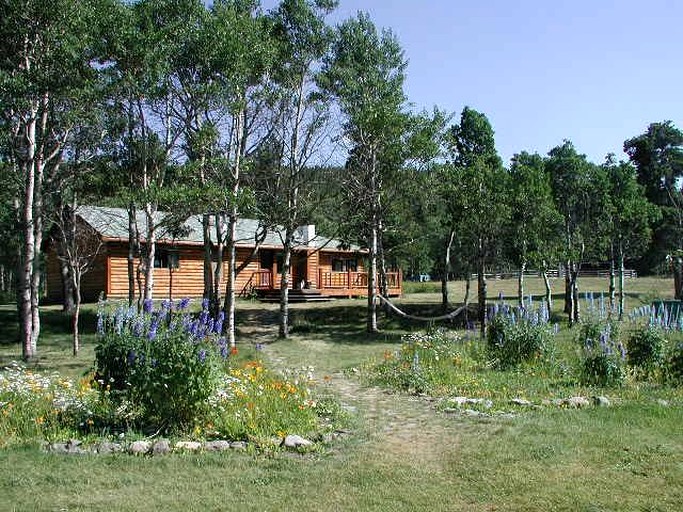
555	273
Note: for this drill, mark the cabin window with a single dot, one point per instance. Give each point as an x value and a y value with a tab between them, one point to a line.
165	258
344	265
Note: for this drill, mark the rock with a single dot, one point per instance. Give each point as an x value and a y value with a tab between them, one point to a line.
463	400
663	403
474	414
216	446
559	402
161	447
521	402
190	446
295	441
238	445
139	447
577	402
58	448
601	401
106	447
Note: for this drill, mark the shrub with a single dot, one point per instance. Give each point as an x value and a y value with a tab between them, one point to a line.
603	356
516	336
674	363
166	361
424	362
39	406
645	348
253	403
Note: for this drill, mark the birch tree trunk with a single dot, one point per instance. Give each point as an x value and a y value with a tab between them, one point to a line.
548	289
520	284
285	278
482	291
444	277
620	263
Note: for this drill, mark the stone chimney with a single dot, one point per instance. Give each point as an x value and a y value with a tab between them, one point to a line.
305	234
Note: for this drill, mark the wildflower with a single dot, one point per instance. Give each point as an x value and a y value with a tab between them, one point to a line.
205	304
131	357
100	323
148	306
218	325
233	351
183	304
202	356
153	330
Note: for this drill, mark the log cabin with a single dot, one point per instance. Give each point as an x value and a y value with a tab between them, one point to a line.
321	267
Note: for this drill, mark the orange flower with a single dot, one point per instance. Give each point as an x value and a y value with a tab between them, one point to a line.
233	351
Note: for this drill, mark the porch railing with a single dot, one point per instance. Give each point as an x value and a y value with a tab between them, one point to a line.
259	280
353	280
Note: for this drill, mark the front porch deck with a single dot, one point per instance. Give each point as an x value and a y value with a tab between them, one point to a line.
330	284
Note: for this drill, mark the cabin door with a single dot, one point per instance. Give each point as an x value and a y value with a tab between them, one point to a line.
300	274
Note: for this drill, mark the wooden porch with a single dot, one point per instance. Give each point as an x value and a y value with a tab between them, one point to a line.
329	284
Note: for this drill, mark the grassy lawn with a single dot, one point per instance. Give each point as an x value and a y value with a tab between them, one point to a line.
403	454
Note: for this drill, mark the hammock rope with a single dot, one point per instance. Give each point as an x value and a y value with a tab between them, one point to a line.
403	314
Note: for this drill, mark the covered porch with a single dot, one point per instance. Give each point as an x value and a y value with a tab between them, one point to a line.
342	284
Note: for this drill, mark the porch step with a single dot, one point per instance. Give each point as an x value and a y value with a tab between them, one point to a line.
294	296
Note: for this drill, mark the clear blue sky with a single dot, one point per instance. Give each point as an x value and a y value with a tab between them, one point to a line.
594	72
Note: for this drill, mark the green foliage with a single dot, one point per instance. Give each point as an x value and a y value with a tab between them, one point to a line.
511	341
256	404
424	362
37	406
674	363
166	362
646	348
603	357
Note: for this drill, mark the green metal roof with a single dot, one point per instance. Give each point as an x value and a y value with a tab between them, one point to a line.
112	224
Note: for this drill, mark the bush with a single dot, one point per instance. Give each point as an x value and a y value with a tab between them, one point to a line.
255	404
165	361
646	348
39	406
424	362
517	336
603	357
674	363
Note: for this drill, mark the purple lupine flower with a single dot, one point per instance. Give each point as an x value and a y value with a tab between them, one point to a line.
194	328
205	304
153	330
131	357
259	346
148	306
622	351
202	356
183	304
218	325
166	305
137	327
100	323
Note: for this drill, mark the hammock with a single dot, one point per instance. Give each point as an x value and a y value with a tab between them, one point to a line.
450	315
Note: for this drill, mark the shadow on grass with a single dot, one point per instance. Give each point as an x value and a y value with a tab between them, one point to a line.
55	341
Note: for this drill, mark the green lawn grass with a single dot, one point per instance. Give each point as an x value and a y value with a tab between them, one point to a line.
625	457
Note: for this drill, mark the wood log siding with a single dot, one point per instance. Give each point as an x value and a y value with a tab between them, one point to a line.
109	275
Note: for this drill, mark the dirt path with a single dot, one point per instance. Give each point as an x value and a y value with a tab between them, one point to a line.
402	425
